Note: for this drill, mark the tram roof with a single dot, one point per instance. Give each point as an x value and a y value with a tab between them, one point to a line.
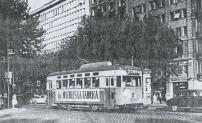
95	69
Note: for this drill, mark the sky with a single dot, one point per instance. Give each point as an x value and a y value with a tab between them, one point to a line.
34	4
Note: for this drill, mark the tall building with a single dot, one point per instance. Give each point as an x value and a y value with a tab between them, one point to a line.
181	16
60	19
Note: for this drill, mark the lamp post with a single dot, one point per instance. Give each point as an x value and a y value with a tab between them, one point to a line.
8	76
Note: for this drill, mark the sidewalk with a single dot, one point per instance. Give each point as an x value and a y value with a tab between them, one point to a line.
156	106
11	110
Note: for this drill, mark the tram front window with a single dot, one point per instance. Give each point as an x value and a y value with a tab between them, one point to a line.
132	81
58	84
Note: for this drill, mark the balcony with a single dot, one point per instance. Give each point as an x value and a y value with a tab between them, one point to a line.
199	56
199	76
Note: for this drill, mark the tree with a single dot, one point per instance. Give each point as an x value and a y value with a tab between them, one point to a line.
161	43
19	32
151	43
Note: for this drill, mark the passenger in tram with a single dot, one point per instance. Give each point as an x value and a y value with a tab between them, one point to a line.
87	85
72	85
78	86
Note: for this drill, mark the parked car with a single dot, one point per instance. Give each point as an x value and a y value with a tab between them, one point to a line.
39	99
186	99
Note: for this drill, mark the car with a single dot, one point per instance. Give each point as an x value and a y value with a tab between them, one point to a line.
186	99
39	99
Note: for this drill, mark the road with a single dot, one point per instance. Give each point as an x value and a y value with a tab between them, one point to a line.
45	114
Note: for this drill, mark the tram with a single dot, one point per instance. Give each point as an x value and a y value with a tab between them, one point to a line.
100	86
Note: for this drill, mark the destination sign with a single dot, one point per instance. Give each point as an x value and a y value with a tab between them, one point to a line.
89	95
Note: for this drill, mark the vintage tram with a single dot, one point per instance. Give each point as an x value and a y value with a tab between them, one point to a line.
99	86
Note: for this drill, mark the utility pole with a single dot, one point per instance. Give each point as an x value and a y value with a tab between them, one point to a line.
9	79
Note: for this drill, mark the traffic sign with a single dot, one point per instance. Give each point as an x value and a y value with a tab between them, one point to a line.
8	75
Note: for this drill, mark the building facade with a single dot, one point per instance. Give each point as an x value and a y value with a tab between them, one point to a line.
181	16
60	19
108	7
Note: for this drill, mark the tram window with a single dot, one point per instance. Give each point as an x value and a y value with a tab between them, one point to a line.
50	84
118	78
58	84
95	82
64	76
137	83
127	80
71	75
79	75
87	83
96	73
59	77
113	95
65	83
79	83
87	74
107	82
132	81
71	83
112	81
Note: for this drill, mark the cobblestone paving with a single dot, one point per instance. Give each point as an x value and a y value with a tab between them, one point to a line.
46	115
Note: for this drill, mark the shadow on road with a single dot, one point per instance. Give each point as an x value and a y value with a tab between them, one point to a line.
57	121
28	121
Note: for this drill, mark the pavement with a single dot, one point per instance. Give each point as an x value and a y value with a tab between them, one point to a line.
11	110
156	106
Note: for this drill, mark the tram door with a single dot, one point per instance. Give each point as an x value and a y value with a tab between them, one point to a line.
51	97
110	92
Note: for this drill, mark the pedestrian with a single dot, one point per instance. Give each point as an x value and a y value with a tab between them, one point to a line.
160	98
154	98
14	101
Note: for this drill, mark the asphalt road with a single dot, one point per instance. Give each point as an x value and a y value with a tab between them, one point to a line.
45	114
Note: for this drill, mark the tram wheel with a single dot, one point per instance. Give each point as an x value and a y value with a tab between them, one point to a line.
174	108
94	108
68	107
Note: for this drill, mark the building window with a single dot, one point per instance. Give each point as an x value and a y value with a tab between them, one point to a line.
139	9
179	14
152	5
184	13
93	1
103	8
178	31
51	24
185	47
160	3
174	1
92	12
184	31
162	18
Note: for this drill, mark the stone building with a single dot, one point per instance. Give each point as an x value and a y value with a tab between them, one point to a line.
182	17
